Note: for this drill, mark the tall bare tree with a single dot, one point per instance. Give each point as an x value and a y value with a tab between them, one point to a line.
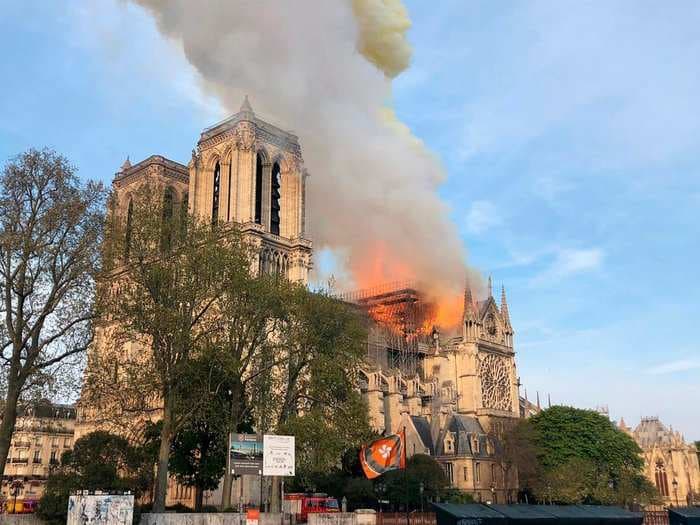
50	231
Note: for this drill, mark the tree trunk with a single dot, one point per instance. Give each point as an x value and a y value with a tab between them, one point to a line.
7	426
166	436
228	477
198	498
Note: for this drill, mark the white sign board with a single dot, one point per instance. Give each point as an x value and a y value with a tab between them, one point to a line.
278	455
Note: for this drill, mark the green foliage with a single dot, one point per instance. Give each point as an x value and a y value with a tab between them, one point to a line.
451	495
198	456
420	468
316	390
98	461
583	457
563	433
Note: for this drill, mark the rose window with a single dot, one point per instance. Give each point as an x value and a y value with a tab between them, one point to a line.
495	383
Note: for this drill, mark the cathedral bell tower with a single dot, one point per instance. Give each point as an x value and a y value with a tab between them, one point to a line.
485	360
250	172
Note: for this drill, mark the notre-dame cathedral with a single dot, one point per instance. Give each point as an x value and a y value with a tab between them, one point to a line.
452	392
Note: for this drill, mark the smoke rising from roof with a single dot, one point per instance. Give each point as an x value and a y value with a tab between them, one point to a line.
323	69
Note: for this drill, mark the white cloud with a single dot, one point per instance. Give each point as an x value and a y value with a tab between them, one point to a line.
483	215
568	262
680	365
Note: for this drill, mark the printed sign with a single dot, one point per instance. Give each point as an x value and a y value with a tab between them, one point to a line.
278	457
246	454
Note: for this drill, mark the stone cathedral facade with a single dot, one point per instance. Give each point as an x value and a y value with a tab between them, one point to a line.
464	389
245	171
461	397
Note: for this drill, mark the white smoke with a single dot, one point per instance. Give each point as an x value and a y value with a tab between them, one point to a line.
322	69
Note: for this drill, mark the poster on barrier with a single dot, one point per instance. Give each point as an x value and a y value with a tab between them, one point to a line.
102	509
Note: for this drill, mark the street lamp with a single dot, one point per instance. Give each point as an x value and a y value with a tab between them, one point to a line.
16	486
381	488
421	488
675	490
493	493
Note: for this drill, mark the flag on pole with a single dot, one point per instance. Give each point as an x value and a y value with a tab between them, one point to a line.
384	454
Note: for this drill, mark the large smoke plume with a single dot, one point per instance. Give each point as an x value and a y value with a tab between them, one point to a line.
323	69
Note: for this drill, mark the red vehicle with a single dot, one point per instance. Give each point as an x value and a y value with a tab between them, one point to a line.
304	504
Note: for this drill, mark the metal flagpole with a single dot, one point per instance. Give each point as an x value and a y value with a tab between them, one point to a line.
405	473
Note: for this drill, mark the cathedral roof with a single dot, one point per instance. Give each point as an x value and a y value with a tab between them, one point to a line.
651	431
423	429
170	168
464	429
270	132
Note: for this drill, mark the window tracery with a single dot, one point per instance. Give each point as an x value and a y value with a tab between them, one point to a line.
495	383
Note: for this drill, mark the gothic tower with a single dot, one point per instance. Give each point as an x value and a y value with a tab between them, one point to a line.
250	172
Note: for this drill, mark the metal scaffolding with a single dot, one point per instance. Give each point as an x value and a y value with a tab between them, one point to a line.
399	333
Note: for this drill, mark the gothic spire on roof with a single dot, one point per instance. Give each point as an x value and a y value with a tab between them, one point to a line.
538	400
126	165
504	306
490	288
246	107
468	299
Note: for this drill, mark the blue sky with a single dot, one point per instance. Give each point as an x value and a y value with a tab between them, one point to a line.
570	133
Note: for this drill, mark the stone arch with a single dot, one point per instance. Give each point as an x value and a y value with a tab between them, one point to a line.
227	178
216	192
262	161
276	201
128	227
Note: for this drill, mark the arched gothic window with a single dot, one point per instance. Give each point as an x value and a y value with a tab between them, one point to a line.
258	188
216	194
661	478
275	200
167	222
127	234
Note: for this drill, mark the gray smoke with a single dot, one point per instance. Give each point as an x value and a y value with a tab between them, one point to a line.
321	69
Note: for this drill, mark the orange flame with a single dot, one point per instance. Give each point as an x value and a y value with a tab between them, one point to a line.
380	267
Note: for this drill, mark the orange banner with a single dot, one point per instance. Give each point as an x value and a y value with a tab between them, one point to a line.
384	454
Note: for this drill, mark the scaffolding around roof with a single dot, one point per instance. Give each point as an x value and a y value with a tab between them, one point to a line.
399	335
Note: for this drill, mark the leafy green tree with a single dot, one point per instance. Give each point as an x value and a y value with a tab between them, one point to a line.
98	461
583	457
313	391
420	468
51	226
199	448
198	457
165	277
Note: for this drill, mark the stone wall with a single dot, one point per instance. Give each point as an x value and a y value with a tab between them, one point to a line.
213	518
20	519
339	518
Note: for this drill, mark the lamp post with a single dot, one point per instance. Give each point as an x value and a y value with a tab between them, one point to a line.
381	488
16	486
493	493
675	490
421	488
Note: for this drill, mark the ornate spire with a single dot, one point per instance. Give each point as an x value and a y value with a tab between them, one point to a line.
504	306
246	107
468	300
126	165
490	288
538	400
